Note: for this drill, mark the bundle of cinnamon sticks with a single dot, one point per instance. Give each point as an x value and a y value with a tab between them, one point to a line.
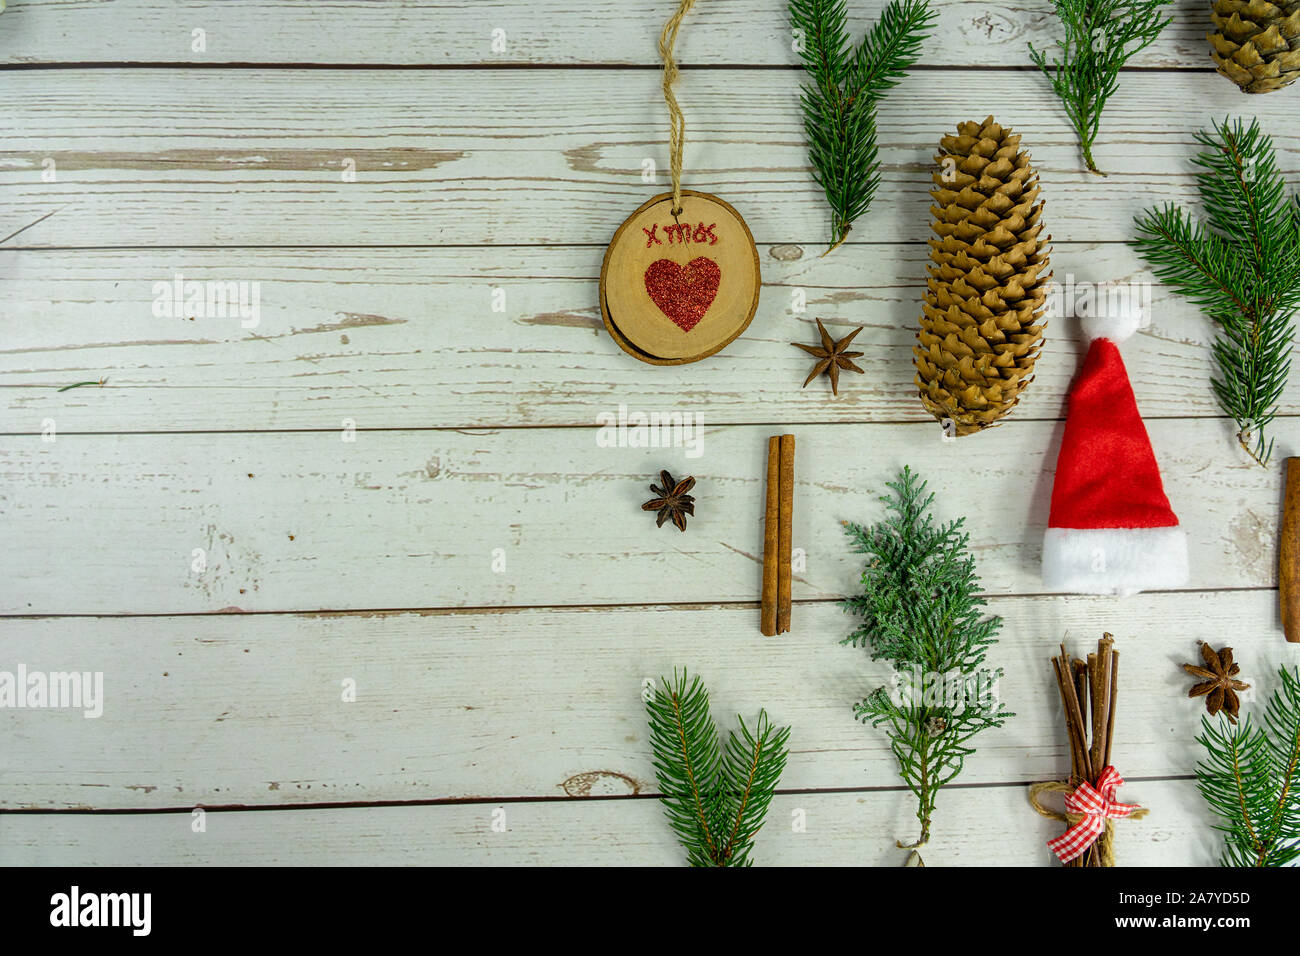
1088	688
777	526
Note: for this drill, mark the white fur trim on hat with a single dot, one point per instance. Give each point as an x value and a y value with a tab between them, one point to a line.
1111	312
1114	560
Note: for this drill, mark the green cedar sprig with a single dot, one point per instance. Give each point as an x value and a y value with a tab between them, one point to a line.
839	105
921	610
1100	36
1251	780
1241	266
715	798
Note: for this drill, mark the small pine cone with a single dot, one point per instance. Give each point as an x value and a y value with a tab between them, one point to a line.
1256	44
983	313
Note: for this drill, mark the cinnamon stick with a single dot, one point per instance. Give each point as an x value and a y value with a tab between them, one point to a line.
1114	692
771	521
1101	692
1061	679
1071	678
784	535
1288	560
1082	693
1098	685
1074	719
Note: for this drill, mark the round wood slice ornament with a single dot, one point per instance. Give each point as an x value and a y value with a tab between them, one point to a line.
680	279
676	289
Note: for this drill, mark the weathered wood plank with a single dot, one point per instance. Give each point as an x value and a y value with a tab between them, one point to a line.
234	710
308	521
236	158
973	827
753	32
400	338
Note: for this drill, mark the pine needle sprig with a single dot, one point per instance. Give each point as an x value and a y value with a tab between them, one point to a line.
1251	780
1100	37
1241	267
921	610
751	769
839	105
715	798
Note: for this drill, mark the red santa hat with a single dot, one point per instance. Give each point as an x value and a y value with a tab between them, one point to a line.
1111	529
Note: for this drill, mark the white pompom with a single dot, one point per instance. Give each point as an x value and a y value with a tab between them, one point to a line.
1112	312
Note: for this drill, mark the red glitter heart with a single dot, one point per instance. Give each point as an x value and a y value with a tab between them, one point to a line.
683	293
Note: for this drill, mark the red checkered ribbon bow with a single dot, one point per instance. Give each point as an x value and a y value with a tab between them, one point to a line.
1096	804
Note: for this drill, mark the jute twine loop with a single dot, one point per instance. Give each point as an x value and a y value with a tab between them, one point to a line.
677	122
1105	842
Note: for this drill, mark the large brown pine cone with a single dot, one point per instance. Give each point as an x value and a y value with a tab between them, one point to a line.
1257	43
982	318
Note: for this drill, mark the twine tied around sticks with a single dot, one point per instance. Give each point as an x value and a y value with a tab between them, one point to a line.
677	122
1105	842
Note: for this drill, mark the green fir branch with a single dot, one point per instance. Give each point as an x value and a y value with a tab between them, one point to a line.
1241	267
715	797
839	104
751	769
1251	780
1282	722
921	610
1100	37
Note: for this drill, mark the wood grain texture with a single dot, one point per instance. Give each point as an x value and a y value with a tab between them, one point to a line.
553	32
212	474
239	158
309	521
405	338
248	710
840	829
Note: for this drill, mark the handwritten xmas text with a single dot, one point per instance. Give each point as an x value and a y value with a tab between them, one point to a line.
681	233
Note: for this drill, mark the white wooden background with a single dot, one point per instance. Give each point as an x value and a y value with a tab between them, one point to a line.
371	560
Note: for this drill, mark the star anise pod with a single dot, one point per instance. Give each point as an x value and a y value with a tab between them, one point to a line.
833	357
1218	681
672	501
